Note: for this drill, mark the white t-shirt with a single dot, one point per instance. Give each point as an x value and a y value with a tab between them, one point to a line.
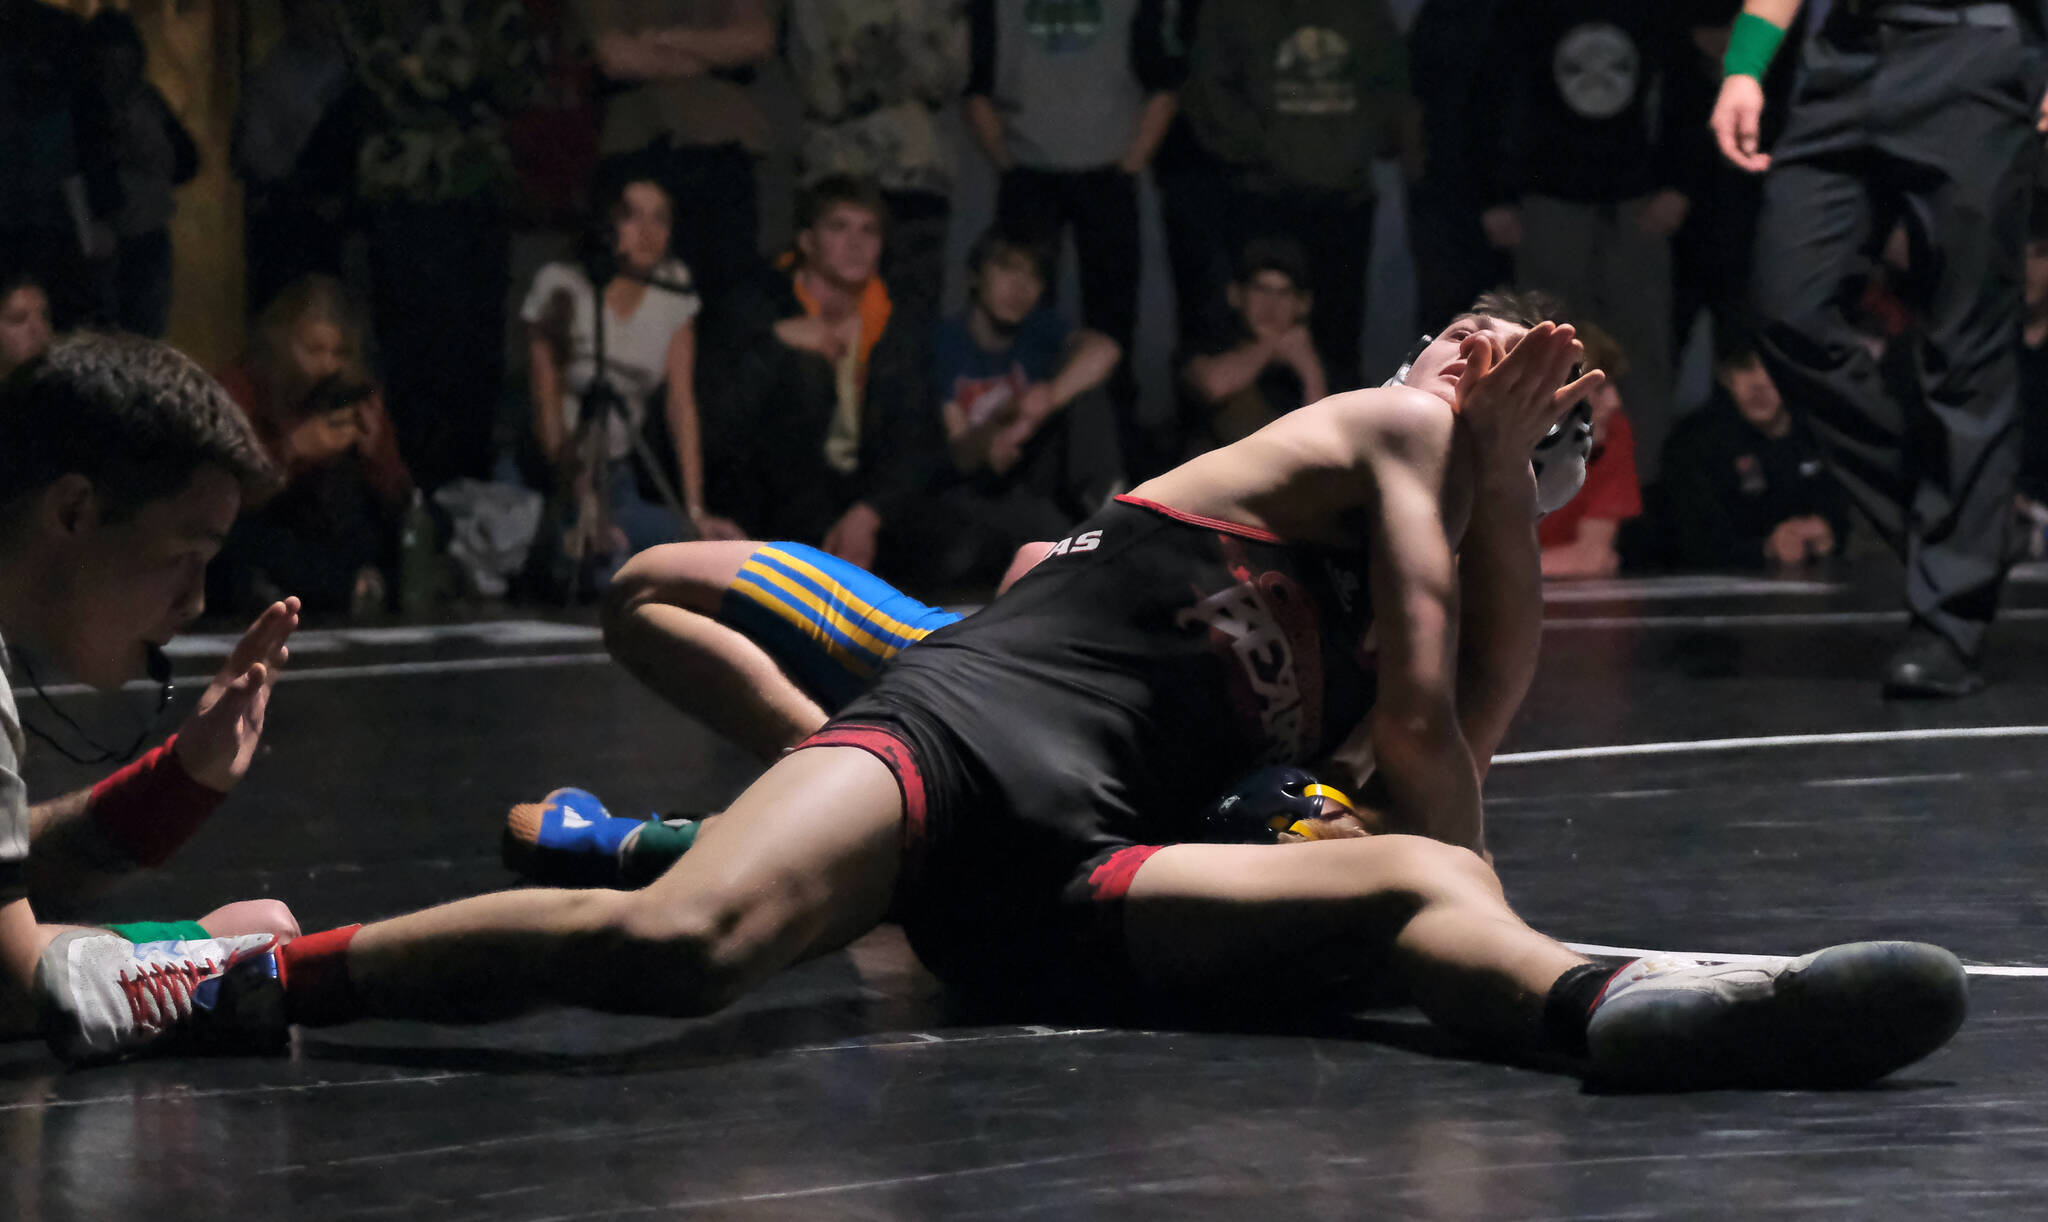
635	347
13	794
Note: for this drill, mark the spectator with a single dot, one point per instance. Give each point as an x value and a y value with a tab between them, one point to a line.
330	535
24	321
1744	484
1266	365
1297	100
1579	539
296	142
820	429
57	146
682	68
872	77
1070	102
650	347
1454	261
1599	154
153	154
436	175
1007	372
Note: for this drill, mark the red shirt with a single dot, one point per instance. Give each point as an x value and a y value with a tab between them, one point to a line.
1612	490
383	466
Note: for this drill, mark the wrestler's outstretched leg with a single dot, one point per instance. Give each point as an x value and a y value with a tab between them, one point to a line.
661	623
804	862
1289	922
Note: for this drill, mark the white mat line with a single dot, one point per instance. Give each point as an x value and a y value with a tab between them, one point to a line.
1637	952
1695	746
445	666
1765	619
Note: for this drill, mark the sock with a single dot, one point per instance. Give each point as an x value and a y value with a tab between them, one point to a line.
152	806
653	847
317	990
1569	1006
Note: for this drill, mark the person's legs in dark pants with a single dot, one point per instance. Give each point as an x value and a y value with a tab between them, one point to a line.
1969	224
142	283
717	226
1194	211
439	278
1105	218
1454	262
1814	240
914	251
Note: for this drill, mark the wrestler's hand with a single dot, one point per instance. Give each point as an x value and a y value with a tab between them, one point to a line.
1507	400
219	739
1737	122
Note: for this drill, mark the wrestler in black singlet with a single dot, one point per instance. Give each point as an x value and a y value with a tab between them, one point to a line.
1049	743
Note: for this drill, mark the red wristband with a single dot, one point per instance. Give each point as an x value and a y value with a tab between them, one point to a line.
152	806
317	988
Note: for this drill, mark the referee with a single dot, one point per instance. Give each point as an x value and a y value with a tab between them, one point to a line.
1923	115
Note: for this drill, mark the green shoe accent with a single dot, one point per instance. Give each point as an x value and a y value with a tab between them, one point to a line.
652	848
160	931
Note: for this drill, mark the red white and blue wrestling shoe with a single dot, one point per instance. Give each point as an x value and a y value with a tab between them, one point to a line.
104	997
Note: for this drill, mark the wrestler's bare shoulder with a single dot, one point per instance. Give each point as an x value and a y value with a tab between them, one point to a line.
1310	460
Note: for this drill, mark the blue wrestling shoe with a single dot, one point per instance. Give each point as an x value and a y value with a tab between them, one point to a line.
568	839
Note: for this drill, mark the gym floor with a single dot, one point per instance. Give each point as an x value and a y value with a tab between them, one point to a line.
1704	766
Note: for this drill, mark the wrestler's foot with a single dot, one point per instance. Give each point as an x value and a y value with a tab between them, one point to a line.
568	839
104	997
1839	1017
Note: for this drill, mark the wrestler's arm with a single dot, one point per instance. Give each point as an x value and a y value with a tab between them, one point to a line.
1500	625
1422	761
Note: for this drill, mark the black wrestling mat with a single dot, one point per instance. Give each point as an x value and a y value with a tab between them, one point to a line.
1703	767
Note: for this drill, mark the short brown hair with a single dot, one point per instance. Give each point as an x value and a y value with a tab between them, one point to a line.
1523	307
814	201
136	417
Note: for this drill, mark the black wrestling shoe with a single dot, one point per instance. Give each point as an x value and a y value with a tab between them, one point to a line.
1927	665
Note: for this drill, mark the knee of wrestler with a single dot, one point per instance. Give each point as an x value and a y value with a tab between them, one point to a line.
631	587
687	958
1433	869
253	916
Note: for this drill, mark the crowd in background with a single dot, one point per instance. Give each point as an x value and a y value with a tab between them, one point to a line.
677	381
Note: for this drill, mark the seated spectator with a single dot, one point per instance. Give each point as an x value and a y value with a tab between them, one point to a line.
153	155
1744	485
1266	365
24	320
1005	372
821	429
626	495
1579	539
330	535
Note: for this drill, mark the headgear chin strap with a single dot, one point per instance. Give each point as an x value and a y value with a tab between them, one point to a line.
1559	459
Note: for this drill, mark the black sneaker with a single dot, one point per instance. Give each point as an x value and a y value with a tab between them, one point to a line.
1928	665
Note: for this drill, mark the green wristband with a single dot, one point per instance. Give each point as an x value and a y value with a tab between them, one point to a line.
1750	47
